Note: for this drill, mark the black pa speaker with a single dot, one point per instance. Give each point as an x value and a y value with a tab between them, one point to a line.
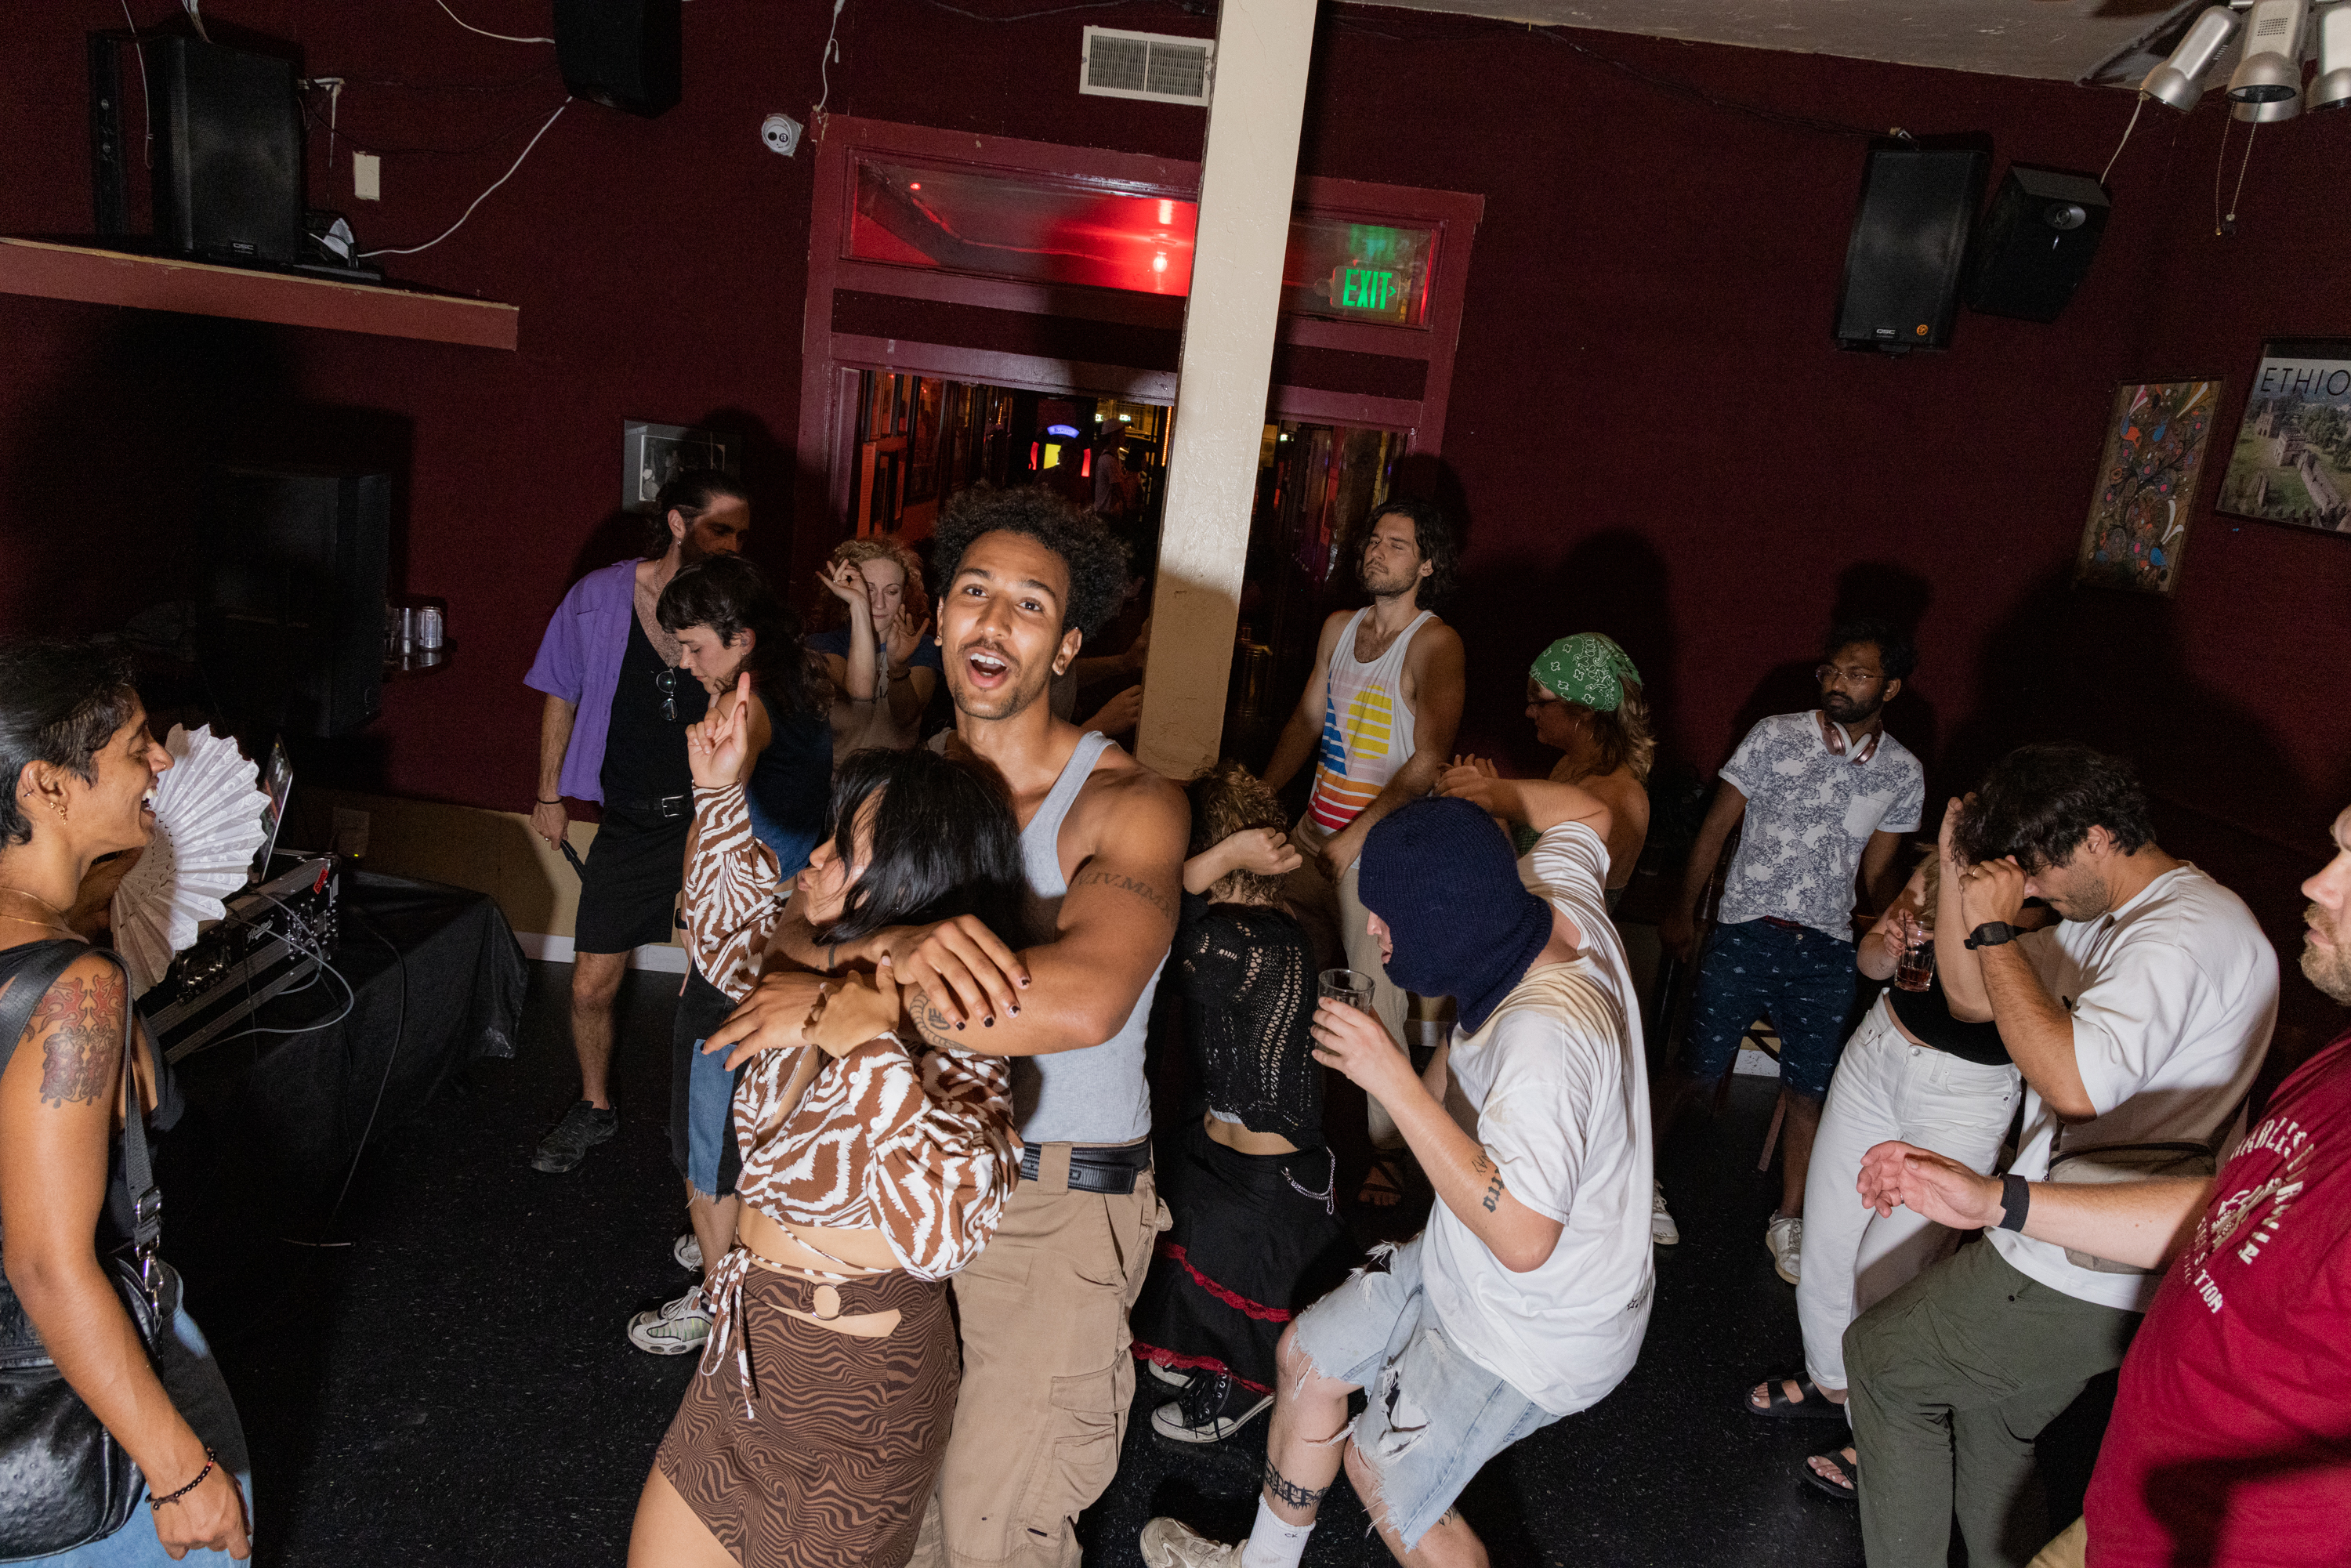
623	54
2035	244
1901	285
228	151
294	591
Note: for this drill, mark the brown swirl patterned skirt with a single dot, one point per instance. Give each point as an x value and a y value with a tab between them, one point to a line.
835	1470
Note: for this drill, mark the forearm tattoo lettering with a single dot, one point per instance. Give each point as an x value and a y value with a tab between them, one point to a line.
1142	890
83	1037
1283	1489
1484	1167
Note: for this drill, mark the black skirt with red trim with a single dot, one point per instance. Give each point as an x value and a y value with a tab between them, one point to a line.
1256	1242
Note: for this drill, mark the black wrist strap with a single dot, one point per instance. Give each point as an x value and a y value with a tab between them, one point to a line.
2015	1199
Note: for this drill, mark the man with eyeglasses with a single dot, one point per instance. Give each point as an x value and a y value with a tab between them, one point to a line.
1824	795
614	731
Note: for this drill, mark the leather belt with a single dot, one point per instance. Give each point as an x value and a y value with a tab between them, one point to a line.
1095	1168
667	809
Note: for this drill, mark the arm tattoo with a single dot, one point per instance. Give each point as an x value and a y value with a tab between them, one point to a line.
929	1022
1283	1489
81	1046
1482	1165
1142	890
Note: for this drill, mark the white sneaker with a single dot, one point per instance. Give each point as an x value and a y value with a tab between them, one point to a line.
675	1328
1174	1377
1662	1228
688	1252
1784	1237
1167	1544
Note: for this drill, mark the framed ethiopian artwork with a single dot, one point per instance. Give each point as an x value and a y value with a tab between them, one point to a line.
2292	464
2157	436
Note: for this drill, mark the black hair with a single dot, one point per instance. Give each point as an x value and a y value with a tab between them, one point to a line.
1896	654
61	703
730	596
691	492
945	844
1097	567
1431	534
2041	801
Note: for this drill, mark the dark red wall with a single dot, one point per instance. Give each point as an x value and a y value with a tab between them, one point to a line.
1650	432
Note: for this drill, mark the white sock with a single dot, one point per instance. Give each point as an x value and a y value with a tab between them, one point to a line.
1274	1541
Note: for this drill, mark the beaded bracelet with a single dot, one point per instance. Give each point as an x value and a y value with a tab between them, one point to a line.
211	1459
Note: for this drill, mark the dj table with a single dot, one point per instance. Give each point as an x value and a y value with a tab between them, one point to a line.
436	980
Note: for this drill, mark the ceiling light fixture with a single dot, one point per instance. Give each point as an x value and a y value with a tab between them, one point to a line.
2267	83
2178	81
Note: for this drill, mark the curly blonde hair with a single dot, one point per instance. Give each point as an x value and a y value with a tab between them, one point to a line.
830	611
1228	799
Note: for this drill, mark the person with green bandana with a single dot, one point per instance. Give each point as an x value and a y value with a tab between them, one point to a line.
1585	696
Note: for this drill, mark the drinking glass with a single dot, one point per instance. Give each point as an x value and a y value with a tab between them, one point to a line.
1915	970
1351	986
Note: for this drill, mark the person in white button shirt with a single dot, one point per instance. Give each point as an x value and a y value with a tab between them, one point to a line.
2141	1019
1526	1298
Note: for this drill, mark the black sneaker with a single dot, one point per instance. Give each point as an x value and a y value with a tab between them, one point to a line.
583	1128
1212	1409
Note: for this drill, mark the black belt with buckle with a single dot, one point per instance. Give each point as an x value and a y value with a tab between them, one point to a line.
1097	1167
668	808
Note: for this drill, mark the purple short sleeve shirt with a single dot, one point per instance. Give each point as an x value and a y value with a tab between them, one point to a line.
580	661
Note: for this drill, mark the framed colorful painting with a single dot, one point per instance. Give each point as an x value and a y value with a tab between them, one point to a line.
2293	459
2157	435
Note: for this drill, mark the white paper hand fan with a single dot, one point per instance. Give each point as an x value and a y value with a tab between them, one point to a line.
207	826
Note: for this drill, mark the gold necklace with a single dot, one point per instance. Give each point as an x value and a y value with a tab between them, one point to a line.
55	913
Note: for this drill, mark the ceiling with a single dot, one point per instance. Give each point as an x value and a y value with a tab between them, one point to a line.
2065	40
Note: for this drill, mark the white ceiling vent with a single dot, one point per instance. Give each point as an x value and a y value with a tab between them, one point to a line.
1147	64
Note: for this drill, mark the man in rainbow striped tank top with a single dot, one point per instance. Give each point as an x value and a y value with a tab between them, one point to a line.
1378	717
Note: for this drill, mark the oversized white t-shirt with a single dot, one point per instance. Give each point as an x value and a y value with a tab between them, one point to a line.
1561	1091
2172	995
1810	813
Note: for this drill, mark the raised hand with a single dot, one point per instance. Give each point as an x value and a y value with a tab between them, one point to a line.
847	584
1265	850
1475	780
1993	890
903	638
716	744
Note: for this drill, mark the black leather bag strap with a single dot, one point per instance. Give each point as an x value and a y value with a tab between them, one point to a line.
32	982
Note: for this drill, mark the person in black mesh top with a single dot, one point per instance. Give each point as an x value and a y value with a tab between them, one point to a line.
1257	1234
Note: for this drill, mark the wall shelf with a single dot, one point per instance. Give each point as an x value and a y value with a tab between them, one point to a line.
53	271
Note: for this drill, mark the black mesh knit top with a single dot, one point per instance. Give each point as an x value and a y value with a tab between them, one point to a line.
1248	996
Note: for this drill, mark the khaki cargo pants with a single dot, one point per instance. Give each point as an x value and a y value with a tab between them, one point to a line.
1046	1372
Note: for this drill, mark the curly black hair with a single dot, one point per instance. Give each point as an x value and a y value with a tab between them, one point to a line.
2041	801
1897	654
730	596
1097	565
1430	532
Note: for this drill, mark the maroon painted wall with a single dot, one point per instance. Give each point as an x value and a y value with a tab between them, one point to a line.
1650	432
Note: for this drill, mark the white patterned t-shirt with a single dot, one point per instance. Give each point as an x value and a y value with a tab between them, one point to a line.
1810	813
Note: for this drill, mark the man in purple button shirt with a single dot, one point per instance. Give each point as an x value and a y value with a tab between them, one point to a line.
614	731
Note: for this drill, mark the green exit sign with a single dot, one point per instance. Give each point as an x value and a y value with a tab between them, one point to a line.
1366	288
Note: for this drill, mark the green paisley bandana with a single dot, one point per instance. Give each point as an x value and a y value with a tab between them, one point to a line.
1587	668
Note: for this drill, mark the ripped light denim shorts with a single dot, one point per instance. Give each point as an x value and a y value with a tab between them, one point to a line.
1435	1416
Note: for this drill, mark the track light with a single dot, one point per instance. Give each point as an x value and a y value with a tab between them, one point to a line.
2333	88
2178	81
2267	85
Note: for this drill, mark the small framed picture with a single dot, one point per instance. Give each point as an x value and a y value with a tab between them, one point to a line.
2157	436
2292	464
654	454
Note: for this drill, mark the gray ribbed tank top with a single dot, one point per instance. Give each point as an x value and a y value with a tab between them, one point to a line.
1097	1094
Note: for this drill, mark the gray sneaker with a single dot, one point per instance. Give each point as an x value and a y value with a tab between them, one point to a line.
583	1128
687	1251
674	1328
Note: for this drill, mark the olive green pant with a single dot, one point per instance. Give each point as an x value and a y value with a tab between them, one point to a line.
1953	1376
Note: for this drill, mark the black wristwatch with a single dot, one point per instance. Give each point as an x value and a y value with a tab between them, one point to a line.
1992	933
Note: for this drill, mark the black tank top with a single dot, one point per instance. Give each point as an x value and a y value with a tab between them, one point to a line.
1927	1016
114	1220
644	751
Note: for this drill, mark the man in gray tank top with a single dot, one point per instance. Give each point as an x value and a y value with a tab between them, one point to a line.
1047	1373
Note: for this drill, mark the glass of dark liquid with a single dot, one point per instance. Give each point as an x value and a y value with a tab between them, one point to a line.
1351	986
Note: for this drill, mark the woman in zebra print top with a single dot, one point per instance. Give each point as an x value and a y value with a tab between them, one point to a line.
871	1173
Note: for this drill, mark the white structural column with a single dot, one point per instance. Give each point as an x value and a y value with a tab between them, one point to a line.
1247	177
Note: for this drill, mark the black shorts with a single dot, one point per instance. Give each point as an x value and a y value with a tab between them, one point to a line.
628	891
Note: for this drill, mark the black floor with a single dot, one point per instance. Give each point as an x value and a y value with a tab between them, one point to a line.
437	1374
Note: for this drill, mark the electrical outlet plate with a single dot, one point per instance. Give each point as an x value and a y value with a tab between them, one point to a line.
367	177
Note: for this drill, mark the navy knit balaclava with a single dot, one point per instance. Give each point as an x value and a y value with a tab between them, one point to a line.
1460	921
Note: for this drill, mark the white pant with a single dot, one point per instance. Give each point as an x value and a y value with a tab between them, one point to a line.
1885	1087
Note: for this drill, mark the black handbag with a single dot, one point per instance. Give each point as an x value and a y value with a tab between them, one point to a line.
63	1480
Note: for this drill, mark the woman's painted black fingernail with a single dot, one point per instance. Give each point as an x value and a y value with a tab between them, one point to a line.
958	1025
988	1023
1016	1012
